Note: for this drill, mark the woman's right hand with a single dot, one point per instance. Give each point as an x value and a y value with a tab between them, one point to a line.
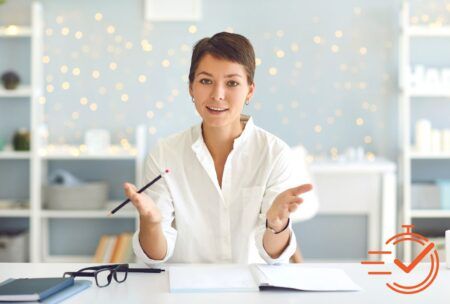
146	207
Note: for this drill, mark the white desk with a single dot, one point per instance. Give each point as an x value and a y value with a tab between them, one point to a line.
154	288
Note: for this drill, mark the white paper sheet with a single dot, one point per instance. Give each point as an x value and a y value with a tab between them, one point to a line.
211	278
304	277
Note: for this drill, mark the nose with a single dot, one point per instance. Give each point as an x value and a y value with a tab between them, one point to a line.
218	93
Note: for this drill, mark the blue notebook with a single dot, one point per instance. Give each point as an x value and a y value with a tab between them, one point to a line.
78	285
32	289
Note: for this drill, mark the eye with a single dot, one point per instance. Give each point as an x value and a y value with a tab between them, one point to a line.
232	83
205	81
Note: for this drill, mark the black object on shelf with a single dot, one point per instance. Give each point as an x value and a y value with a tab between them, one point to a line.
10	80
21	140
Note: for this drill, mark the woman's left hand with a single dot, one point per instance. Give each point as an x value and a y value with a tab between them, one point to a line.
285	203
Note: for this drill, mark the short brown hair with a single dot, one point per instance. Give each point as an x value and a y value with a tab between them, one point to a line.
228	46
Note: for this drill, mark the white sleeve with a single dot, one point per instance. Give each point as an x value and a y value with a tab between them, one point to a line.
310	206
160	194
281	178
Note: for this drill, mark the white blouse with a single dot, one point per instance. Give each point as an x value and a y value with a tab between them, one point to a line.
204	223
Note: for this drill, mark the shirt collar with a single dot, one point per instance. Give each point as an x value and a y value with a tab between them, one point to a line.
248	130
197	138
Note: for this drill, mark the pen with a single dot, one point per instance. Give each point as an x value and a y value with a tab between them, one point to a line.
140	191
145	270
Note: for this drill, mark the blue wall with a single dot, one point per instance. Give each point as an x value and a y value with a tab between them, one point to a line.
314	88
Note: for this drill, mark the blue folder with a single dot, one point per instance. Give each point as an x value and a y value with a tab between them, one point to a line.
79	285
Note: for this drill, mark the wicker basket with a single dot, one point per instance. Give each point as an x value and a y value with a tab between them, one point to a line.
88	196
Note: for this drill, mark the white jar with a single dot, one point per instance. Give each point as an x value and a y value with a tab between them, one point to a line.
97	141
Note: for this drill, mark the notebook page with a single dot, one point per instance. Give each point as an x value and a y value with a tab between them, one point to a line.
211	278
306	278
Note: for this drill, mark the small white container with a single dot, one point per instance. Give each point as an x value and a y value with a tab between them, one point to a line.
97	141
446	141
436	141
423	135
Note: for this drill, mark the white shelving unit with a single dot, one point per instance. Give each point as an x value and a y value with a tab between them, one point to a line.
134	154
27	93
407	93
39	157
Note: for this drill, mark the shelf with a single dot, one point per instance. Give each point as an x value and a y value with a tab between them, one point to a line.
102	157
416	92
78	152
74	259
430	213
85	214
127	211
13	31
69	259
14	213
15	155
375	166
427	31
337	212
21	91
416	155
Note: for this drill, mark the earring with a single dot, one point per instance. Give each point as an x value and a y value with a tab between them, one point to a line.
247	102
193	100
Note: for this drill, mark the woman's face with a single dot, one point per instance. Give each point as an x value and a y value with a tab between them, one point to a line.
220	89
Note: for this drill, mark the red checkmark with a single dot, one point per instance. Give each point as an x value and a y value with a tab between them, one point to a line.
416	261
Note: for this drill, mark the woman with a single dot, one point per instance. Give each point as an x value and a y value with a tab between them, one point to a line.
231	186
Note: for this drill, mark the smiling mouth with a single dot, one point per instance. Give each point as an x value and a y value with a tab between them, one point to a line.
216	109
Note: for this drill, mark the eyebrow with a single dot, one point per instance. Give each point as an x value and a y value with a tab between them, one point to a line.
227	76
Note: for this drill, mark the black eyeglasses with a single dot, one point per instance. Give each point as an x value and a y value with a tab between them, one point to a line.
104	274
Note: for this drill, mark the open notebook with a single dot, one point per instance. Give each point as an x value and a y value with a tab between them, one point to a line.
223	278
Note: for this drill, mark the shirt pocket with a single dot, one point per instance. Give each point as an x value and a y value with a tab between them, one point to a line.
251	200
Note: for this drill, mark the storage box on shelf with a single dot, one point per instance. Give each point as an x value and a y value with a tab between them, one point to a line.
14	247
88	196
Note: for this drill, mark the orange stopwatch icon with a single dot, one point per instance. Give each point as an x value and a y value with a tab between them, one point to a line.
427	249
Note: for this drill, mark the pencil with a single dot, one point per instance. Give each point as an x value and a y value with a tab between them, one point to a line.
140	191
